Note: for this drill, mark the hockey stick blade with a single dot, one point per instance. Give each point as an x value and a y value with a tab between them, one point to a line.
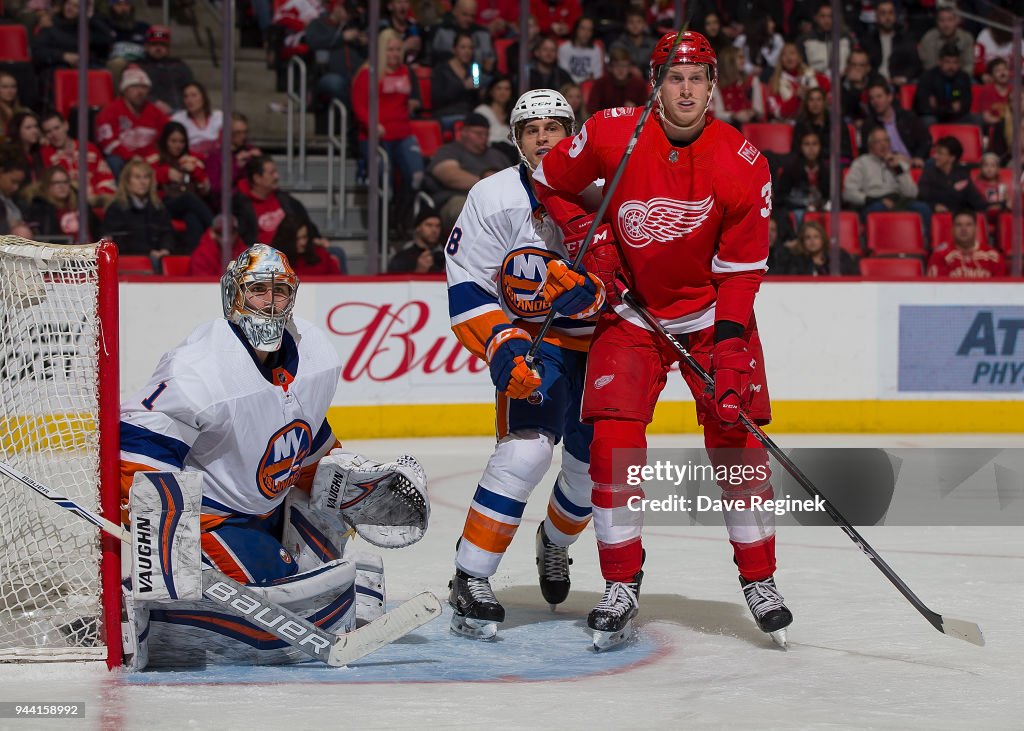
384	630
961	629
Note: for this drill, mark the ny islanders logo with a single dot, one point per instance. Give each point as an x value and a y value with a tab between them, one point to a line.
661	220
522	274
282	460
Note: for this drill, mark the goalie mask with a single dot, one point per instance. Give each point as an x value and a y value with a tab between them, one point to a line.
258	293
540	104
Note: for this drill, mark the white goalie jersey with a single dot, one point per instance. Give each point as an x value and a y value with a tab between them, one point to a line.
208	407
497	258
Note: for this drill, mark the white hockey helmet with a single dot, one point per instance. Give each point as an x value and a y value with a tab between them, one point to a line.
265	266
540	104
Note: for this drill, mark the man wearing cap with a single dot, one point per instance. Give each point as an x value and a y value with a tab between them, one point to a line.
131	124
460	165
168	74
423	254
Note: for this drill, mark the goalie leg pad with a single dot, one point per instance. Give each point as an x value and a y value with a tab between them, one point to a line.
371	595
164	509
134	630
190	634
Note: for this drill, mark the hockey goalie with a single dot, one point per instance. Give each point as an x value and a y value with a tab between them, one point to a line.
227	452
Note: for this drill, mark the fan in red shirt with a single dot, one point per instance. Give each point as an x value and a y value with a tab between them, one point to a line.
966	258
130	125
690	215
60	149
305	255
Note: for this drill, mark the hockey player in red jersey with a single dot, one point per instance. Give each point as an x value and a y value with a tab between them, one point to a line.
687	231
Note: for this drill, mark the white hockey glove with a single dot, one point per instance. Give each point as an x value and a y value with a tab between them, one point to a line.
386	503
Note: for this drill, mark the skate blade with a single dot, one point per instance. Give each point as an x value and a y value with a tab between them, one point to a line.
779	638
604	640
477	629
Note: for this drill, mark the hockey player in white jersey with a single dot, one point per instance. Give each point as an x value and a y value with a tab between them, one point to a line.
243	401
498	256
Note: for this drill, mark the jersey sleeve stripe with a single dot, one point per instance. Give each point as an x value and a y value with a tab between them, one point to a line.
467	296
139	441
474	334
719	266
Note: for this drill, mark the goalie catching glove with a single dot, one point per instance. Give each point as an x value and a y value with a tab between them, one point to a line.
386	503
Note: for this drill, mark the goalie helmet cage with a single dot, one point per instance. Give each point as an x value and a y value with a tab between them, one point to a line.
60	593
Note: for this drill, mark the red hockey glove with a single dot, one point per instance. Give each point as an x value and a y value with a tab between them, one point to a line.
731	365
602	258
506	355
571	293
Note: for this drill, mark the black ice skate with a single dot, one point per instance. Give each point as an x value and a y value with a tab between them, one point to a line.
612	619
553	567
477	611
766	605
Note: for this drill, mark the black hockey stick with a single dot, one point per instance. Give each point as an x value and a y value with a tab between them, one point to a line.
958	628
609	189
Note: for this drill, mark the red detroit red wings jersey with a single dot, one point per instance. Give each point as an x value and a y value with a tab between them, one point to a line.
691	222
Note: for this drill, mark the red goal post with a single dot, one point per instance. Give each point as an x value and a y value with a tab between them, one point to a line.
60	593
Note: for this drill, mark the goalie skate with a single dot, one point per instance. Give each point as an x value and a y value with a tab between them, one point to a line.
766	604
611	621
477	610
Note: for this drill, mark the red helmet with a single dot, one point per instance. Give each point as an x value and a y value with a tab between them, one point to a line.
693	48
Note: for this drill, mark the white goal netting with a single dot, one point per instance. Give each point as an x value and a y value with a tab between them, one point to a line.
50	581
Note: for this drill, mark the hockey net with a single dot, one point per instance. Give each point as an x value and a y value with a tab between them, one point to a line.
59	578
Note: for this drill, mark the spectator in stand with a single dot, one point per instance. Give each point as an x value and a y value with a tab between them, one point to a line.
814	117
739	98
761	45
260	205
880	181
573	94
545	73
202	123
781	242
23	132
55	46
129	125
424	253
947	30
992	188
208	258
340	49
811	255
397	18
637	41
790	82
995	43
241	152
966	258
168	74
556	17
129	36
137	221
580	57
498	16
182	183
53	212
399	95
1001	140
945	184
293	239
496	108
454	91
12	176
620	87
9	103
512	52
994	97
907	134
462	19
711	28
944	92
892	50
60	149
803	184
857	76
458	166
817	45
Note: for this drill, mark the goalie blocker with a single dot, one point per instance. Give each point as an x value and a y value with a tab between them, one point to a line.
170	623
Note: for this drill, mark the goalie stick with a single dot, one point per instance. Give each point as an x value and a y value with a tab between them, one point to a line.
246	602
958	628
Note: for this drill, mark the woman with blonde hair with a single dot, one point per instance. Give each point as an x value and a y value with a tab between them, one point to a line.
136	220
810	256
739	98
790	82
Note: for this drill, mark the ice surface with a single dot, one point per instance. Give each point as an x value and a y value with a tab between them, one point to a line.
859	657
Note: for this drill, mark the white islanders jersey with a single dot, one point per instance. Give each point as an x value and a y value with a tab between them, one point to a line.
496	259
208	408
